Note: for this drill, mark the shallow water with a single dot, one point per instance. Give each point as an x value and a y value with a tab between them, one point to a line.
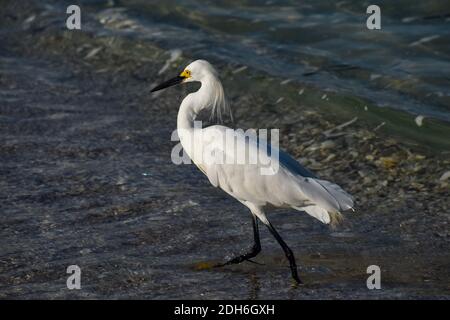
404	65
86	178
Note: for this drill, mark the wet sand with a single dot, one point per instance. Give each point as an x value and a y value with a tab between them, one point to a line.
87	179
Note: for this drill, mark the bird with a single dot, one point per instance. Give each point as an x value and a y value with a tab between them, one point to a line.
288	185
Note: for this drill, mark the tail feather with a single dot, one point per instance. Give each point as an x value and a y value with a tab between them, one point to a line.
327	200
344	200
332	218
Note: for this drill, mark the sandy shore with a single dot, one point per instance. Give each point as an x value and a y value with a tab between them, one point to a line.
87	180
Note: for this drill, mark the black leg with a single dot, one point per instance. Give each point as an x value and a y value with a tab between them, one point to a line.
253	252
287	252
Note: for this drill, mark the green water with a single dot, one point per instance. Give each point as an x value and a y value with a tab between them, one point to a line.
396	73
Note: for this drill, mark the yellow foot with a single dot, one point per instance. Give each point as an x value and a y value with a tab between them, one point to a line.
204	266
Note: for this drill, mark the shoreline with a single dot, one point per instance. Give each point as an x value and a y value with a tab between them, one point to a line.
88	178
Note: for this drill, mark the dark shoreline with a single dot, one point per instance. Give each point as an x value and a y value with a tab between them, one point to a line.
80	129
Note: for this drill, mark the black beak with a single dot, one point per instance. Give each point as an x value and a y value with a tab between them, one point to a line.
168	83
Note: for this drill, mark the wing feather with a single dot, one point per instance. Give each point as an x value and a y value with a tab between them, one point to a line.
291	185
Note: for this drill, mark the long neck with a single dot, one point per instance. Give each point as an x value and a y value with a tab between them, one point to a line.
186	114
188	130
195	102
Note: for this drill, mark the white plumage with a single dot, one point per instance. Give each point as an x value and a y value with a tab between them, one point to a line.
290	185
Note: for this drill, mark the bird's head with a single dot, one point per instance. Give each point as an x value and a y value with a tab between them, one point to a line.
213	96
195	71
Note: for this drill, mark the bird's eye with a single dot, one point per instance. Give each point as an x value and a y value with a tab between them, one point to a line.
186	73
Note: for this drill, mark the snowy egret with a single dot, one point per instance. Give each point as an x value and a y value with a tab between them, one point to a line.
291	185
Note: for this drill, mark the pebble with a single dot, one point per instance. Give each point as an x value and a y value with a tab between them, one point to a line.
445	176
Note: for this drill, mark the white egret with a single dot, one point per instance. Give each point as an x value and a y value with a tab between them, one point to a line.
290	185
